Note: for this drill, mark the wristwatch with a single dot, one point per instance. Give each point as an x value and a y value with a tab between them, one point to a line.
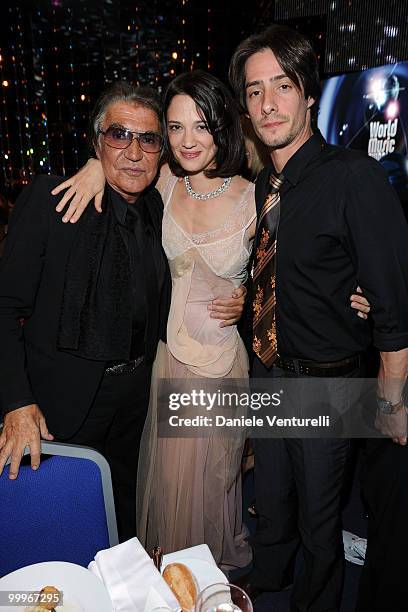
388	407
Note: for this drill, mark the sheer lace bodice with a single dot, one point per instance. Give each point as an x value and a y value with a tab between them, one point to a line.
225	249
204	267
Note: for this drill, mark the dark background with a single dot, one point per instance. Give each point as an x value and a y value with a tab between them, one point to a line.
58	55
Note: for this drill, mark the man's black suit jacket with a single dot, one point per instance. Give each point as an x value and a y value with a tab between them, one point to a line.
32	272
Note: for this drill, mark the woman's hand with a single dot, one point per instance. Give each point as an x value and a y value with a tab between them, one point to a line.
87	183
360	303
229	309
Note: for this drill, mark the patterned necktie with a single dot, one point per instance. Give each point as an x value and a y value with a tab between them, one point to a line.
264	323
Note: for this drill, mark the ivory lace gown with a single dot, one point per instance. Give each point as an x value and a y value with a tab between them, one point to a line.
189	489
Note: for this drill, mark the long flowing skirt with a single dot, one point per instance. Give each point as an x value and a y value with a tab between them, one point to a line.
189	489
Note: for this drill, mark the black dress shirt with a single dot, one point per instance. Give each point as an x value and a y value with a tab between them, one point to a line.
133	229
147	271
341	225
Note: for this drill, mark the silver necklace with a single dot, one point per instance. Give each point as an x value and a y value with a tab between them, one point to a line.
207	196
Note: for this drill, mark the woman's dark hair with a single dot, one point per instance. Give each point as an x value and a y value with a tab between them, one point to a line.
294	54
219	111
122	91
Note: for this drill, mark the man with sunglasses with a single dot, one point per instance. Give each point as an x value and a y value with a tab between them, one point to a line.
95	297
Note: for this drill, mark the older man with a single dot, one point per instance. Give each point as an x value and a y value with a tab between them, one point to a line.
95	296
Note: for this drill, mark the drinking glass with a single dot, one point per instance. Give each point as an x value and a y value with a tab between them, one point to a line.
223	598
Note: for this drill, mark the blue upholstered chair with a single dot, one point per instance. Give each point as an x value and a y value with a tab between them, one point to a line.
64	511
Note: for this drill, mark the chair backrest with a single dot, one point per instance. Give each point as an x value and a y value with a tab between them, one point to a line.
64	511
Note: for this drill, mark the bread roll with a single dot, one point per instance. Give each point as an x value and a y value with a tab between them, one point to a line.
46	606
57	596
183	584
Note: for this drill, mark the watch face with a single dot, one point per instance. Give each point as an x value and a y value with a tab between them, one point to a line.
384	405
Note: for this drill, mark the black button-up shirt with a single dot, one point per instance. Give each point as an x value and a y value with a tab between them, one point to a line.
133	229
341	225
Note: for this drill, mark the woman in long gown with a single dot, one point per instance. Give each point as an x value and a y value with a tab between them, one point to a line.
190	488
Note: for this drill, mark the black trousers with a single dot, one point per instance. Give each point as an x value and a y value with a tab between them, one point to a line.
114	427
298	489
384	583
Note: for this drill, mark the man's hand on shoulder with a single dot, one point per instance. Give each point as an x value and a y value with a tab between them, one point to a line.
22	427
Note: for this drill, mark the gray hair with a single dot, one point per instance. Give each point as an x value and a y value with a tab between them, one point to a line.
122	91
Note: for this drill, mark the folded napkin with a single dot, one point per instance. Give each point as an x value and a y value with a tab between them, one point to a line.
129	574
